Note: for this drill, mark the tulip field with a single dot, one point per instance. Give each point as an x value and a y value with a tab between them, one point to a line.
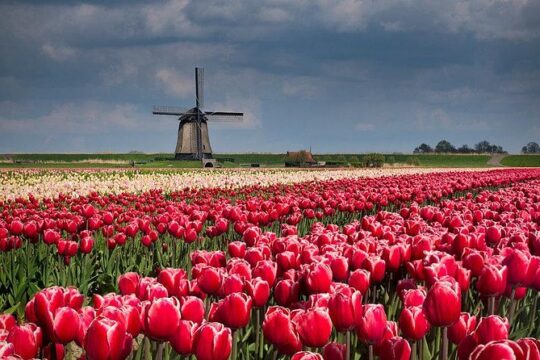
270	264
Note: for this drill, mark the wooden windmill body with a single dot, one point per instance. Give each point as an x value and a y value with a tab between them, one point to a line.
193	142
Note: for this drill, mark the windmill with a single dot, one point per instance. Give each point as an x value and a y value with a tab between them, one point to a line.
193	142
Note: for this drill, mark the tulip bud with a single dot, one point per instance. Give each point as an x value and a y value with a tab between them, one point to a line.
107	339
6	349
360	280
279	330
318	278
182	339
345	309
306	355
372	324
308	320
442	305
413	323
160	318
492	280
128	283
395	348
461	328
334	351
212	341
209	280
491	328
192	308
26	340
259	290
233	311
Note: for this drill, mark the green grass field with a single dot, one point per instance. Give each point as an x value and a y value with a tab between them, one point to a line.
165	160
522	160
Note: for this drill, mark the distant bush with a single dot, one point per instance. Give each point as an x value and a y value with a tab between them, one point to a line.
413	160
390	160
373	160
354	159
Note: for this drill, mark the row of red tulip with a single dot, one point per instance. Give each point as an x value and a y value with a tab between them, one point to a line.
490	241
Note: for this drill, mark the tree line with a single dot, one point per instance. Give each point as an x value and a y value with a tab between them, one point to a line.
445	146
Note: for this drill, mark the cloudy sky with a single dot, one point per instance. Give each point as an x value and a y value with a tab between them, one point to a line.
336	75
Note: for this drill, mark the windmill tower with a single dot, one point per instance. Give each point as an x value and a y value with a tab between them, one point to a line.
193	142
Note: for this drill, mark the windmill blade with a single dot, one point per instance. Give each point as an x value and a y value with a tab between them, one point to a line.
224	116
169	110
199	86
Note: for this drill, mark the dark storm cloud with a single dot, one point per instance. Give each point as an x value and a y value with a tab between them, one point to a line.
341	75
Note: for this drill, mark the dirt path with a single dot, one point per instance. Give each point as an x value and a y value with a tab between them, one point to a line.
495	159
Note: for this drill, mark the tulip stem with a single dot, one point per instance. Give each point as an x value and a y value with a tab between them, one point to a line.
348	345
533	316
413	351
159	351
421	349
234	345
512	306
257	331
370	352
444	344
491	305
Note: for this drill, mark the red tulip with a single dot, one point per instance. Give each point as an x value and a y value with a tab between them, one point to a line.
493	235
373	323
7	322
266	270
6	350
395	348
279	330
340	268
498	350
334	351
491	328
286	292
259	290
26	340
231	284
182	339
345	309
461	328
66	325
442	305
237	249
106	339
414	297
517	264
233	311
209	280
192	308
360	280
171	279
308	320
160	318
128	283
492	280
413	323
212	341
318	278
376	266
86	245
306	355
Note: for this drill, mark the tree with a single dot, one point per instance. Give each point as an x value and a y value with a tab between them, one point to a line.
444	146
465	149
423	149
531	148
486	147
